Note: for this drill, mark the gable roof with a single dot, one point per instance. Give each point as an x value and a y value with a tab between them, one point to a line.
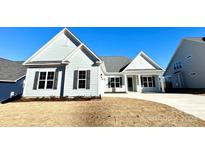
11	71
194	39
198	39
143	62
58	49
115	63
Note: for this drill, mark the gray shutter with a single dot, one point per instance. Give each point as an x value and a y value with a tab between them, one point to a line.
55	80
35	81
120	81
75	79
142	84
109	82
88	80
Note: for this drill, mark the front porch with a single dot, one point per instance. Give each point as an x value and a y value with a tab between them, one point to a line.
134	83
143	83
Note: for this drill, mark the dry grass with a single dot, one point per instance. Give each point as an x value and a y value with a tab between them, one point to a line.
105	112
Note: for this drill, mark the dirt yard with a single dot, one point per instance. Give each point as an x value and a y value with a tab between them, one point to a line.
105	112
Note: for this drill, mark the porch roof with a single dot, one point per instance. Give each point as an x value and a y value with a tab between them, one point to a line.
144	72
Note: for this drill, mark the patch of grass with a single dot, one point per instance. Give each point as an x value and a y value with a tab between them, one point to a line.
117	112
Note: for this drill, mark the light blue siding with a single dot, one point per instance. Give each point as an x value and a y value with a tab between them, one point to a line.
30	75
81	61
57	50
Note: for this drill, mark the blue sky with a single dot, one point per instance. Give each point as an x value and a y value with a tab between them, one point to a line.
158	43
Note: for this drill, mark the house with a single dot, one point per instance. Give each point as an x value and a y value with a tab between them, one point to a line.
66	67
12	75
185	69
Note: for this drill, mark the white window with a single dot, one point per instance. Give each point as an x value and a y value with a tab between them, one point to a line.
177	65
46	80
188	57
148	81
115	82
82	79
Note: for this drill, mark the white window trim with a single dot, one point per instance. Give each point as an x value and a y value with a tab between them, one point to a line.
82	79
114	82
148	81
45	79
178	64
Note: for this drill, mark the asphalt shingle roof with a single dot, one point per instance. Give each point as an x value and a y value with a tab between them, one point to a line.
115	63
199	39
11	70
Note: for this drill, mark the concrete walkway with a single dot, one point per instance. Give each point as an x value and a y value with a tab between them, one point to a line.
192	104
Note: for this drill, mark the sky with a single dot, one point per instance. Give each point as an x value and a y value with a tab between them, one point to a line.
158	43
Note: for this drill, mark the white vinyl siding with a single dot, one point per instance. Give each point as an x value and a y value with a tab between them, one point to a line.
57	50
81	61
191	54
30	75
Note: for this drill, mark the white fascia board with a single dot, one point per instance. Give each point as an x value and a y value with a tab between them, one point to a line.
13	81
82	45
10	81
173	56
154	72
150	59
92	53
68	57
75	51
44	46
65	29
20	78
130	62
46	63
114	73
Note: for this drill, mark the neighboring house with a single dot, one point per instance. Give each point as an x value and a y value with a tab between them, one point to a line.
12	75
67	67
185	69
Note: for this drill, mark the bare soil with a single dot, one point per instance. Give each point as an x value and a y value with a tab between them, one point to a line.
108	112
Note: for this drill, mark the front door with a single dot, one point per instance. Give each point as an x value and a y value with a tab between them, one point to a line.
129	84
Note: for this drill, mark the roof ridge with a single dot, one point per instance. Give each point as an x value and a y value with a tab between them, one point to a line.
6	59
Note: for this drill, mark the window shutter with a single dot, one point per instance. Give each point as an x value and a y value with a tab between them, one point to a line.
109	82
88	80
55	80
35	83
75	79
120	81
142	81
153	79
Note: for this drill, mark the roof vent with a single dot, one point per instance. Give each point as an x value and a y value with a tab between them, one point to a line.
203	38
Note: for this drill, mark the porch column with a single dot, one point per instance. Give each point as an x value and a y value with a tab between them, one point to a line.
140	84
125	80
162	83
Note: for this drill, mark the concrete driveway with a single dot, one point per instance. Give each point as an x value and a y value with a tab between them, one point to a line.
192	104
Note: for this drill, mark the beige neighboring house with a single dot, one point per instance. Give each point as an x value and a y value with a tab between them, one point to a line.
186	67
